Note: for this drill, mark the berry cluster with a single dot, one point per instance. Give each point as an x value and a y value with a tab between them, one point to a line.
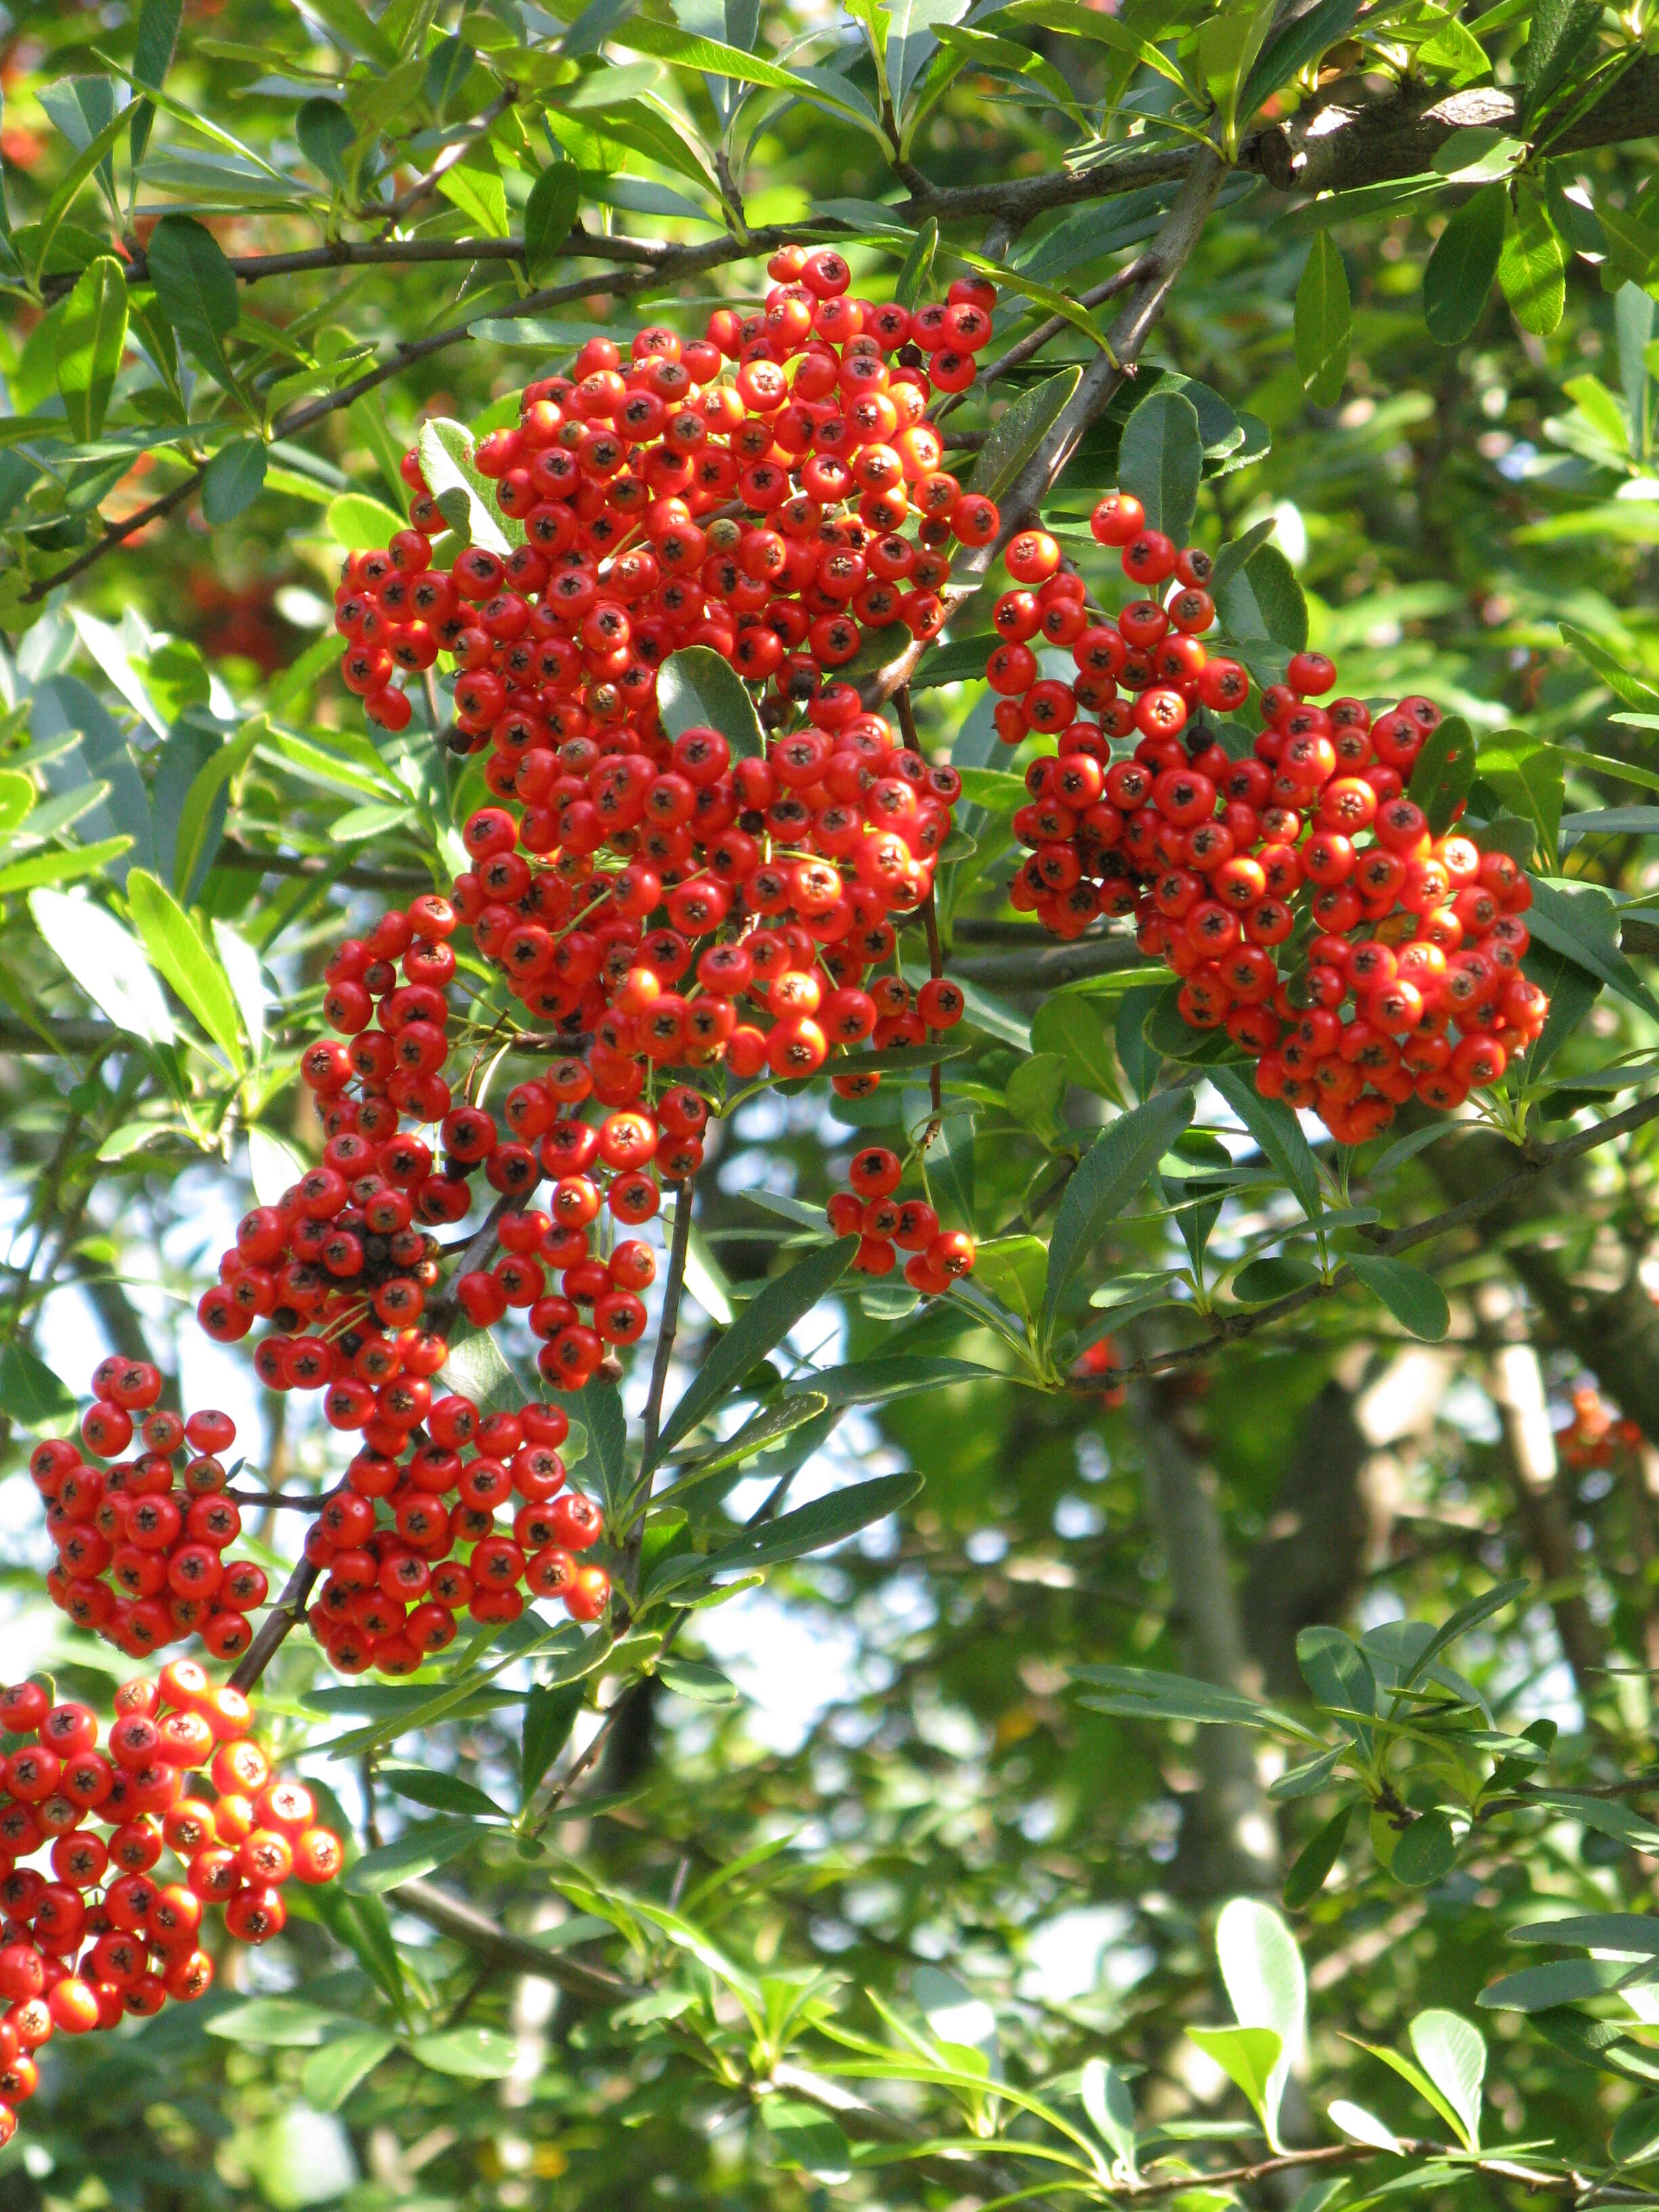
1596	1437
387	1539
93	1936
1297	891
618	486
142	1542
886	1224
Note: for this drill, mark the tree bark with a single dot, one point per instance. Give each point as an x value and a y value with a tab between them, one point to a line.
1229	1841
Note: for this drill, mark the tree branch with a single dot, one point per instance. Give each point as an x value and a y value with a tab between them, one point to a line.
1233	1327
1161	265
1352	137
484	1938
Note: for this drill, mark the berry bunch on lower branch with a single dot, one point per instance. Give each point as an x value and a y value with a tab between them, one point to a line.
1288	875
102	1928
142	1541
408	1544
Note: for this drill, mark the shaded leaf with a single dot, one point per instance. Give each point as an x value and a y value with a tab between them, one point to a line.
697	689
1161	460
1460	270
91	336
1414	1298
763	1324
1109	1175
1324	321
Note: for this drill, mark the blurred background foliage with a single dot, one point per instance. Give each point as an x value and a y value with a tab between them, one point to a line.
875	1786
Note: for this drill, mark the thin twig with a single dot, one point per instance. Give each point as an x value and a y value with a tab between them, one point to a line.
1056	326
651	1426
1233	1327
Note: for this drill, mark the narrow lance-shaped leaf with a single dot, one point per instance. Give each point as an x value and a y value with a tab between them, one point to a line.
179	952
90	339
106	961
1324	320
763	1324
1110	1174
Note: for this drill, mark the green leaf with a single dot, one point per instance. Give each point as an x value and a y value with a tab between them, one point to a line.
440	1792
462	493
1279	1135
879	1382
179	952
1426	1852
1075	1028
1265	1981
549	216
326	135
805	2138
549	1715
68	187
1443	772
710	57
1111	2111
1452	2053
235	477
427	1844
1414	1298
1460	270
1018	431
1337	1673
1304	39
1419	2081
918	268
195	288
764	1323
827	1520
1324	322
35	1397
1635	2137
1533	265
202	815
693	1679
1086	22
1527	777
1110	1173
328	2075
16	798
1250	2058
91	337
1161	460
152	58
1621	678
360	523
106	961
698	688
1276	1275
1606	1817
1311	1867
64	865
1564	1981
1556	32
1636	1932
1144	1693
278	2022
1580	920
473	2054
1261	600
474	184
356	30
